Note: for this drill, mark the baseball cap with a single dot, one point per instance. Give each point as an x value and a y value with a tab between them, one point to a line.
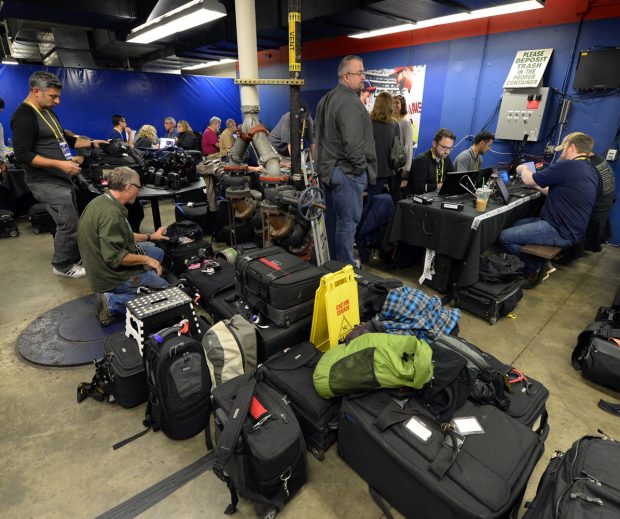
397	70
368	86
566	139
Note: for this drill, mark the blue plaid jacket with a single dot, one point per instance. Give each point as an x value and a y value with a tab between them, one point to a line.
408	311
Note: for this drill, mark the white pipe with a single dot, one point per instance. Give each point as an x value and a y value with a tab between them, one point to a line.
245	15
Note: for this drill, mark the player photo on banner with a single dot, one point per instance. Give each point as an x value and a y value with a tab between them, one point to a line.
407	81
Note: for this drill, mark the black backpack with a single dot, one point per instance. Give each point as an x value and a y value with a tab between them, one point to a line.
179	384
261	452
500	268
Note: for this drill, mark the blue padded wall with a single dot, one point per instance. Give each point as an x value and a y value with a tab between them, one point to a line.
90	98
464	82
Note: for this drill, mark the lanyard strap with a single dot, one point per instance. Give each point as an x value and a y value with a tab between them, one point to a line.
439	172
56	134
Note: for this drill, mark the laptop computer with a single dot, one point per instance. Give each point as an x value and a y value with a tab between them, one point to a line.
165	142
506	191
464	183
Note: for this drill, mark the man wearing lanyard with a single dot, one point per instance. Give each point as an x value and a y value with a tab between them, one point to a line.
428	168
116	264
42	147
120	130
571	185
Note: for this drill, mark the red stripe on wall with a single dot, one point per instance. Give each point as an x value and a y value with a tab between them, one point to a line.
555	12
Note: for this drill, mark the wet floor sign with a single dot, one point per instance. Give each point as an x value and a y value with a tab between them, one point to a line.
336	308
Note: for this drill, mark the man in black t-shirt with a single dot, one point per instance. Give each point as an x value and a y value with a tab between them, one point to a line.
42	147
429	168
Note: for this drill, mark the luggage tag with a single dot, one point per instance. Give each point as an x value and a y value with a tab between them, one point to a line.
419	429
65	149
466	425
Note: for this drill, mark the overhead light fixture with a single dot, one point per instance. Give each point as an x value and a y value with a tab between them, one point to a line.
454	18
9	61
210	64
187	16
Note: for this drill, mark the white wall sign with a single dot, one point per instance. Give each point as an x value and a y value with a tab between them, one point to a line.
528	68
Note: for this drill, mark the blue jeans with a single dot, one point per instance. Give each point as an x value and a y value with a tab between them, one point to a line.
377	189
126	291
344	210
534	231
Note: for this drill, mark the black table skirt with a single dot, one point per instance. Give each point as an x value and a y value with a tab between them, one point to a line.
450	232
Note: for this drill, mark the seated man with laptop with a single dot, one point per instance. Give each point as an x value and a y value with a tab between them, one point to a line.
430	167
570	186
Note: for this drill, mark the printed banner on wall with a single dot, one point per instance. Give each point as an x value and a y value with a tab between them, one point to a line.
407	81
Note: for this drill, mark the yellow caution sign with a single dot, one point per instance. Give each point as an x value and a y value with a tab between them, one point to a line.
336	308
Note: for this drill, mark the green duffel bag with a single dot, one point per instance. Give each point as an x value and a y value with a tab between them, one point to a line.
372	361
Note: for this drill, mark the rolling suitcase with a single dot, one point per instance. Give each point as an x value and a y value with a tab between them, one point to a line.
41	220
277	284
425	469
181	256
8	226
272	339
583	483
290	372
489	300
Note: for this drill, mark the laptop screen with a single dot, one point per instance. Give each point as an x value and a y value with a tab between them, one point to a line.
530	166
165	142
503	190
503	173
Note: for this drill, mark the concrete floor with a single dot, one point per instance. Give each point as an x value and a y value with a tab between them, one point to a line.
57	457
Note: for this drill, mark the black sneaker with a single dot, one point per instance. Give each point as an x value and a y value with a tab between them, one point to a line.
103	311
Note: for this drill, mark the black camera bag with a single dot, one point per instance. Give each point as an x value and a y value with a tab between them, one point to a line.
597	354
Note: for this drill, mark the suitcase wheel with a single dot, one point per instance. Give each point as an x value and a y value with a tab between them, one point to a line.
14	234
492	320
319	454
36	230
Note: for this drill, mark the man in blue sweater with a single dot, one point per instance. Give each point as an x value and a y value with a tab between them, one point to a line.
571	186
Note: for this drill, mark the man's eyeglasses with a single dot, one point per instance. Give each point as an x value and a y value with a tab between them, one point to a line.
136	185
360	73
446	148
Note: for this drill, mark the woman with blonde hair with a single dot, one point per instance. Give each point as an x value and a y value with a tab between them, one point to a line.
147	137
384	129
185	136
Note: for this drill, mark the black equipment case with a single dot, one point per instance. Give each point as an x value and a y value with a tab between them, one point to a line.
208	285
180	256
41	220
597	354
272	339
197	212
372	289
414	462
8	226
290	372
277	284
528	396
260	452
583	483
489	300
445	273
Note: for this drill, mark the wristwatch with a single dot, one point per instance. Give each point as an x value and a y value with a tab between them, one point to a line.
148	237
92	144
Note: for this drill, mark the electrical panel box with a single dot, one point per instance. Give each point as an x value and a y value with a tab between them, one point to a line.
522	112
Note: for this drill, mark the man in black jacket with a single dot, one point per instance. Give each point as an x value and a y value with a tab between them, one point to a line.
429	168
346	158
42	147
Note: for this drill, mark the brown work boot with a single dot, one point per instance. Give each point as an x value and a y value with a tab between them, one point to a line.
103	310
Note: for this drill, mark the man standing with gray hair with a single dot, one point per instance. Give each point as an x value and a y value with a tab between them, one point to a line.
115	264
42	147
345	156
